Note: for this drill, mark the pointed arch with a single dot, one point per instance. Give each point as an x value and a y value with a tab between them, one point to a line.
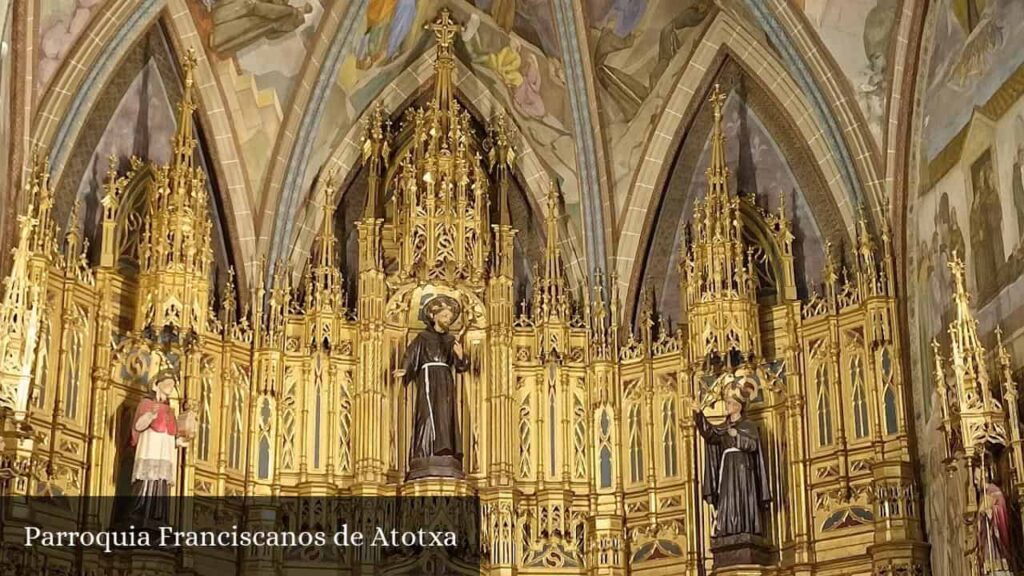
78	85
83	74
301	123
725	37
344	158
811	64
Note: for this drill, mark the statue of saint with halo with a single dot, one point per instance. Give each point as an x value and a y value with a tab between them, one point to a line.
431	362
735	479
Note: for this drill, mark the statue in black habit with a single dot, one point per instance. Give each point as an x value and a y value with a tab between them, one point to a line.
431	361
735	483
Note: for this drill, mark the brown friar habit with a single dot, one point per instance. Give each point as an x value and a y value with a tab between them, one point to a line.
735	482
430	361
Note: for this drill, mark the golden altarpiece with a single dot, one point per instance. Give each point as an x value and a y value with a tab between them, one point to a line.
578	430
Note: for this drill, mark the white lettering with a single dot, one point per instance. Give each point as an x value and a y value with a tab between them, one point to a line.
31	533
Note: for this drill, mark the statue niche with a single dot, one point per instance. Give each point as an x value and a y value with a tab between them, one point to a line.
431	362
436	249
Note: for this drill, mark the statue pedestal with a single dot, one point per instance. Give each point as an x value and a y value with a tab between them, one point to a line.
153	562
435	467
437	487
741	554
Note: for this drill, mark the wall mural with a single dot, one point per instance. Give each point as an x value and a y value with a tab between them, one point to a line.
61	23
633	49
257	49
756	163
858	34
970	202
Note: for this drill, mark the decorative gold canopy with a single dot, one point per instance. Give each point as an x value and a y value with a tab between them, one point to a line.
717	271
175	252
441	190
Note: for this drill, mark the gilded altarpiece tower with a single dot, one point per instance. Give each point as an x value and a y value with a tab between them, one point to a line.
577	426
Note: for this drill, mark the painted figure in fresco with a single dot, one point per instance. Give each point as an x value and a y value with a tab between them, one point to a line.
981	25
877	35
986	228
1017	177
388	22
527	96
431	362
157	435
617	21
948	237
238	24
531	20
735	478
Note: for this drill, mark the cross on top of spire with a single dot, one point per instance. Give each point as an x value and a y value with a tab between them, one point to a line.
956	268
444	30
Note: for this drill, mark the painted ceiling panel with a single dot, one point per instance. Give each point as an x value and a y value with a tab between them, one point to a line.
61	24
858	35
638	50
257	51
511	47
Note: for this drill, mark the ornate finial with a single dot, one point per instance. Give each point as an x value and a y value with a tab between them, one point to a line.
830	262
444	31
717	100
718	172
110	249
501	152
553	295
229	287
444	99
72	239
868	269
325	238
956	268
184	142
376	153
188	65
323	279
376	139
41	205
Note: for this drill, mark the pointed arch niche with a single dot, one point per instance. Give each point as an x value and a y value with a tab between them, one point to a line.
414	88
136	115
767	160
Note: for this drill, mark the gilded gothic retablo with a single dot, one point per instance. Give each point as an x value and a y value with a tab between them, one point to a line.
574	418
